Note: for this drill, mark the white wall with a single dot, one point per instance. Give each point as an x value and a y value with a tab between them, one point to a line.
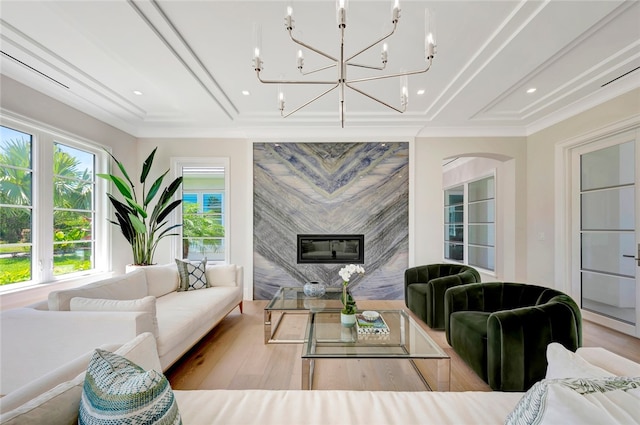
429	202
542	248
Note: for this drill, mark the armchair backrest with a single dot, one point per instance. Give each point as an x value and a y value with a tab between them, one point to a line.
425	273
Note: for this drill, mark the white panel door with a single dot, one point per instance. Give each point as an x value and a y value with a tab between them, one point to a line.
606	246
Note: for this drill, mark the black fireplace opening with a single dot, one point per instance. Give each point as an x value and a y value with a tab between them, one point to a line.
330	249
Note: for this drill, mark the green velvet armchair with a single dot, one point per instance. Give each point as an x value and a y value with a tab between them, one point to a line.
424	288
502	329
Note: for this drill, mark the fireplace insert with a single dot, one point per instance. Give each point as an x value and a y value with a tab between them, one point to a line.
330	249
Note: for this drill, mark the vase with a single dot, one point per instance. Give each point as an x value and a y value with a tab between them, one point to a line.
347	320
314	289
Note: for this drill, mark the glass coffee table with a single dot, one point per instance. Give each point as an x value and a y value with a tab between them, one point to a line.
292	300
326	338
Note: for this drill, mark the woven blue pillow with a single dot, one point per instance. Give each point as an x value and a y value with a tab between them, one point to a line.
117	391
192	276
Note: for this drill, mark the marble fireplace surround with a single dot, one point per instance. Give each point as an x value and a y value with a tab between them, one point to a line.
331	188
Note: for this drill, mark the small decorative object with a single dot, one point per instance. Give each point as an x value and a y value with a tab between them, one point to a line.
348	312
314	289
368	325
370	316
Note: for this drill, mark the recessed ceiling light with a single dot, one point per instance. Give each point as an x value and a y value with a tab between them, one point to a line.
246	92
420	92
137	92
532	90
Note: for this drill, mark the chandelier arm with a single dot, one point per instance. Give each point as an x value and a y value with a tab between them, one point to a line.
401	74
377	68
319	69
310	101
376	99
395	25
303	44
291	81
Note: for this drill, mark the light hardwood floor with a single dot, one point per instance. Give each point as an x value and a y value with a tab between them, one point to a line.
233	356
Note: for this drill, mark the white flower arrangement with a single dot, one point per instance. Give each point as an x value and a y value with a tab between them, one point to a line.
349	304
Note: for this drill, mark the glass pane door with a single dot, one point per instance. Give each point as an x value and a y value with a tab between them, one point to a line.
608	245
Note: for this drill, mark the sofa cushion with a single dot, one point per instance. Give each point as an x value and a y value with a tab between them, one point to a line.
183	314
563	363
611	362
192	275
146	304
119	391
60	404
162	280
223	275
129	286
469	338
612	400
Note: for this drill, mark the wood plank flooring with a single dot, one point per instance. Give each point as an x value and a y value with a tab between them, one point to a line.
233	356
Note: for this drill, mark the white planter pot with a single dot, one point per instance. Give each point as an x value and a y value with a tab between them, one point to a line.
347	320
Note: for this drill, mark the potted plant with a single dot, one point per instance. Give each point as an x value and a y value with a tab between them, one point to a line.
349	309
143	228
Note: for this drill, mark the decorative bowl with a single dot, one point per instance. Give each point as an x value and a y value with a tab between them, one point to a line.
370	316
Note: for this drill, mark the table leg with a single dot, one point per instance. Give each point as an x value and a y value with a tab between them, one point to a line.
267	326
444	374
307	373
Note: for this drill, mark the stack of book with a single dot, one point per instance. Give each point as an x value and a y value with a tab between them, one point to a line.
373	327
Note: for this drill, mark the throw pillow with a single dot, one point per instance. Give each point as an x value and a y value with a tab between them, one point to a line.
192	276
162	280
563	363
222	275
146	304
119	391
579	401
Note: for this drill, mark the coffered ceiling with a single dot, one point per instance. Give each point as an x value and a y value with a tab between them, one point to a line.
191	62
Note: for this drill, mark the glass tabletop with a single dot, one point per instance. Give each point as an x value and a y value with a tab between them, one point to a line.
293	298
326	338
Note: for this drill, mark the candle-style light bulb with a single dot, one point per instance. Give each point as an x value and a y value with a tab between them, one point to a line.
384	53
404	91
257	43
288	18
280	98
341	10
429	35
300	60
395	11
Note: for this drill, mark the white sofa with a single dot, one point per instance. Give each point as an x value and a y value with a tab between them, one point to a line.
60	404
42	337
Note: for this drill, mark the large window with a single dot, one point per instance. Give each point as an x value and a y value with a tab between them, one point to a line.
16	206
469	223
48	222
204	209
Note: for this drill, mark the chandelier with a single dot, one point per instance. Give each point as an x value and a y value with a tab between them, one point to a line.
342	63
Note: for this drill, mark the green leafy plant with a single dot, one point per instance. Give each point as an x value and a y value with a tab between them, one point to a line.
141	228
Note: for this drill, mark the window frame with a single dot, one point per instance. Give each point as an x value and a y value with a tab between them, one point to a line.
177	165
465	229
44	138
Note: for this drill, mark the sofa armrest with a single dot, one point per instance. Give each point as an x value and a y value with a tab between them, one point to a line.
418	274
61	335
240	278
517	342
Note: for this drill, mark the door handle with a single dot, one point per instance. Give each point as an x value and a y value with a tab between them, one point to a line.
632	256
